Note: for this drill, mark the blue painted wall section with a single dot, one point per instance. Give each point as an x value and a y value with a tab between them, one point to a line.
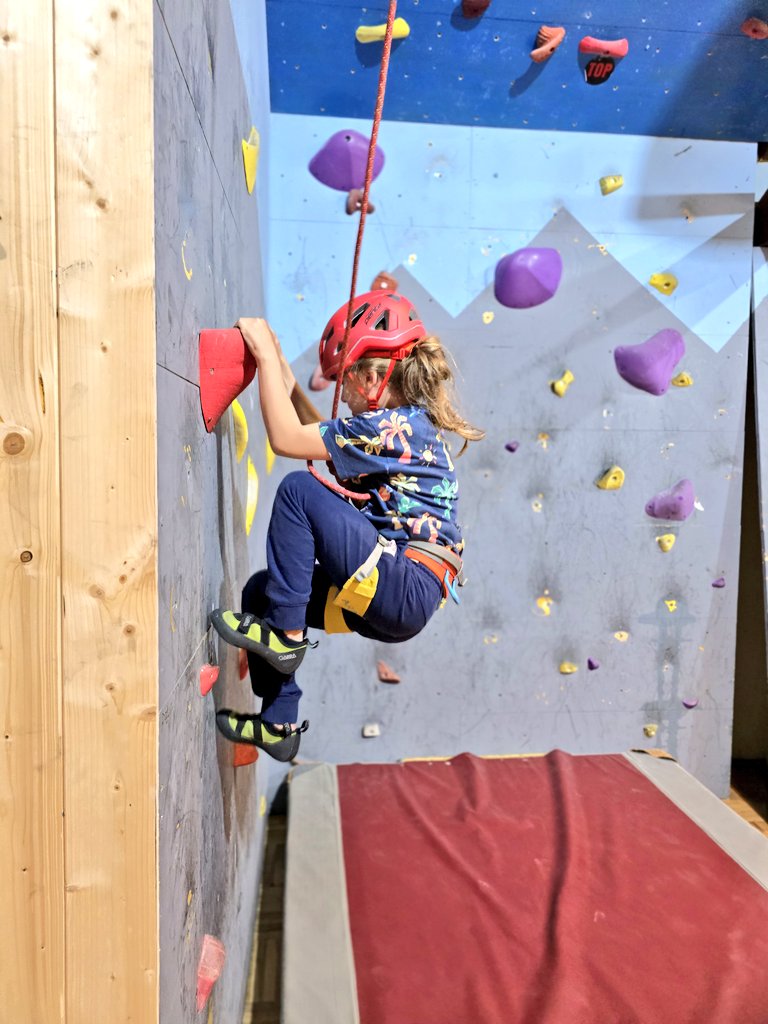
450	202
689	72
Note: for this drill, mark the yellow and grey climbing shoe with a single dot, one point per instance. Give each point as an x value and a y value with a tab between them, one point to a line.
281	742
241	629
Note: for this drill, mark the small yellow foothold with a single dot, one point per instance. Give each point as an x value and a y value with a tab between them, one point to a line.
490	638
241	429
252	497
610	183
612	479
622	636
671	604
189	897
537	504
650	730
561	386
262	806
488	317
251	147
567	668
412	258
666	541
270	456
682	380
187	270
375	33
544	604
664	283
543	440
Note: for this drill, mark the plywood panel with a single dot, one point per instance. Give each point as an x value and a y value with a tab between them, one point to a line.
109	511
31	834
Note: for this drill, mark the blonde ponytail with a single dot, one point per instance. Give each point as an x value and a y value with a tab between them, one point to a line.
425	378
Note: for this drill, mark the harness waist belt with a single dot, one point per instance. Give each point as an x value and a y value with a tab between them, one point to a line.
439	560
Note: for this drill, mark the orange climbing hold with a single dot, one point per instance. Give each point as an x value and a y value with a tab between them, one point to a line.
755	28
355	202
547	41
244	753
226	370
604	47
386	674
384	280
242	663
208	968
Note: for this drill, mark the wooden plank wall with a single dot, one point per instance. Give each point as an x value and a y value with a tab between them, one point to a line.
105	213
208	273
31	799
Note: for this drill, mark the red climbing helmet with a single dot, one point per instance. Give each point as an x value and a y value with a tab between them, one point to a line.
384	324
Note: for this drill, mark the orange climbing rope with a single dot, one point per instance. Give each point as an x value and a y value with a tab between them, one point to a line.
358	245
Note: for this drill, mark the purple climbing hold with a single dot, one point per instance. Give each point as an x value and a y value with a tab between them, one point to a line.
719	582
690	702
675	504
592	664
512	446
341	163
649	366
527	277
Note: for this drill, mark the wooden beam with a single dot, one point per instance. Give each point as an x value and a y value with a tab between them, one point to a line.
105	197
31	825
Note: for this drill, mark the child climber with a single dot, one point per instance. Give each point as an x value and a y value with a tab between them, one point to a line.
380	567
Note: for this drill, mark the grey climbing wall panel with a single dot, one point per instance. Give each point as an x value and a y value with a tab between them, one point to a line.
760	355
485	677
209	272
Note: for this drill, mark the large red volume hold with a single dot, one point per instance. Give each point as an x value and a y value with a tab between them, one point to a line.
226	369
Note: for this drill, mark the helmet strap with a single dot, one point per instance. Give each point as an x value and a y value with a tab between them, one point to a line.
373	403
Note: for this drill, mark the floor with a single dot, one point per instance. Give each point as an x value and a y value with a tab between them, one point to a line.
748	798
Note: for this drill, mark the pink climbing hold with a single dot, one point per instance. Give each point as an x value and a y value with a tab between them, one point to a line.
675	504
690	702
592	664
208	676
208	968
604	47
341	162
649	365
317	381
755	28
719	582
527	277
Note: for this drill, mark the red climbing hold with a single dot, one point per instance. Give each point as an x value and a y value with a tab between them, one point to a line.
317	381
355	202
208	676
226	370
386	674
242	663
474	8
755	28
385	281
604	47
244	753
208	968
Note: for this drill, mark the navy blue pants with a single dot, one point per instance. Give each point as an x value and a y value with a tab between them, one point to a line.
317	539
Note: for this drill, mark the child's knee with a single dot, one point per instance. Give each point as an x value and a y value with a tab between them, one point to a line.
254	598
296	484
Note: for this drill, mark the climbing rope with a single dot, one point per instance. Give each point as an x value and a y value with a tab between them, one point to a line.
358	244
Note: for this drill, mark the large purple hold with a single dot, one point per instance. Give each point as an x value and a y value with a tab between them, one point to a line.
527	277
341	163
675	504
649	366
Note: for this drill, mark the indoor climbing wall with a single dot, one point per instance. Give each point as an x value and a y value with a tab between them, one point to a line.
686	71
209	272
587	624
759	704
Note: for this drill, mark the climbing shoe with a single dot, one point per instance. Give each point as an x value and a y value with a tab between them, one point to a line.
241	629
281	743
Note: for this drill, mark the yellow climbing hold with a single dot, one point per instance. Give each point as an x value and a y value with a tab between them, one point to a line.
671	604
537	504
682	380
270	456
567	668
262	806
252	498
543	440
375	33
664	283
251	147
611	183
612	479
666	541
651	729
544	604
187	270
622	636
488	317
561	386
241	429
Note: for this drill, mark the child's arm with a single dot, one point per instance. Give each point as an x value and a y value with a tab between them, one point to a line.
291	422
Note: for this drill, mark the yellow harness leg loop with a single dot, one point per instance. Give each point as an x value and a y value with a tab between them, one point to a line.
333	616
359	590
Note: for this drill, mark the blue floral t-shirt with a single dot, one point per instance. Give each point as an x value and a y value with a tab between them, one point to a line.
406	465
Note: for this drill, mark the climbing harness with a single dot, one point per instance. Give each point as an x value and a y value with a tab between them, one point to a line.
360	589
358	244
